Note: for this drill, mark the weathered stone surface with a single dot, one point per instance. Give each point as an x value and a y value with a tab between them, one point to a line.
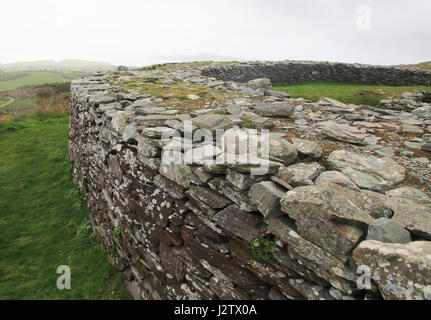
159	132
300	174
119	121
228	190
174	190
102	98
326	218
367	172
342	132
240	223
409	193
156	120
263	123
402	271
209	197
266	196
147	147
426	143
213	122
325	101
337	178
246	146
243	181
279	149
310	290
387	230
177	171
320	261
370	202
423	112
262	83
414	216
130	131
308	148
275	110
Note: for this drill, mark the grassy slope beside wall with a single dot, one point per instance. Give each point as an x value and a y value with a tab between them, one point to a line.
344	92
43	220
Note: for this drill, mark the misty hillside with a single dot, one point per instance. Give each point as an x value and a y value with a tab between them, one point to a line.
51	65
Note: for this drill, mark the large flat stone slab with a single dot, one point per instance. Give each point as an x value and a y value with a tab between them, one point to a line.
368	172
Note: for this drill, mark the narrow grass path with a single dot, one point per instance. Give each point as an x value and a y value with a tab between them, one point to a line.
10	101
43	221
344	92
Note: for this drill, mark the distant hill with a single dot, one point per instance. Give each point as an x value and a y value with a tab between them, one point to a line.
189	58
60	66
422	65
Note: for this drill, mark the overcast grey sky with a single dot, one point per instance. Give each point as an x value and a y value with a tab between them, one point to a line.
133	32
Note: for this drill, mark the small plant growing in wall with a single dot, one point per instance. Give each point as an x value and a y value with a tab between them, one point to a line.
221	112
247	124
117	234
262	249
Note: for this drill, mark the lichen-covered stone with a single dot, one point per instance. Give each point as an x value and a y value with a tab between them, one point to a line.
402	271
308	148
300	174
266	197
239	223
342	132
368	172
326	218
337	177
275	110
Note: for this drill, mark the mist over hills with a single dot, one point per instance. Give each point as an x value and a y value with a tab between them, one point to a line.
60	66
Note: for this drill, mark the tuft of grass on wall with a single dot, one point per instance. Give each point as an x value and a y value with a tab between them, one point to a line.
43	220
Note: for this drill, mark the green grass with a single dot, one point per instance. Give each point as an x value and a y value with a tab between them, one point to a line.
3	101
32	78
347	93
426	67
43	220
19	105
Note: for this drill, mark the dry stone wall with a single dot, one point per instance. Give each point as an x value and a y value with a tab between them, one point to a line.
291	221
302	71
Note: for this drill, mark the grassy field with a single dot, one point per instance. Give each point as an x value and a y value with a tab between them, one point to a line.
3	101
43	220
347	93
19	105
32	78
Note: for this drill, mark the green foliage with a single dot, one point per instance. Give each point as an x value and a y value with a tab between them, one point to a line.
221	112
262	249
183	98
247	124
43	221
19	105
117	234
348	93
